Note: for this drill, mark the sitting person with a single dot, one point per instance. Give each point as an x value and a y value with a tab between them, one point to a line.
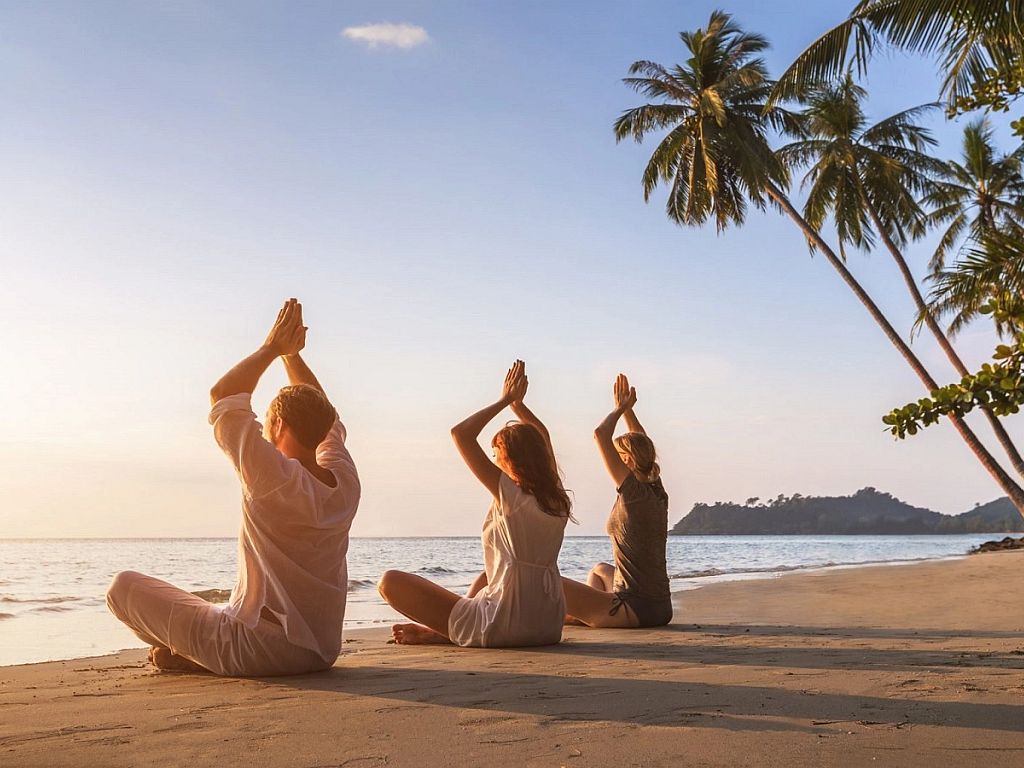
518	600
299	495
635	592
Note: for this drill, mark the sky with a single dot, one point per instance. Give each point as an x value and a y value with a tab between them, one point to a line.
439	184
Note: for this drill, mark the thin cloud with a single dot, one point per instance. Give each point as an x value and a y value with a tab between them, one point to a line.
387	35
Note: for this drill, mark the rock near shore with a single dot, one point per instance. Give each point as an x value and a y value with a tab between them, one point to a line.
1003	545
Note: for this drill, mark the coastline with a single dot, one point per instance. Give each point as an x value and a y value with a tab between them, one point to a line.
382	632
872	664
361	614
57	611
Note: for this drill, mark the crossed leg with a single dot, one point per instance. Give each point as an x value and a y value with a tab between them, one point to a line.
423	601
595	603
160	615
602	577
162	658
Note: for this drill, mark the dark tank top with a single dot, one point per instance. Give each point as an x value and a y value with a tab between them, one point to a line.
638	527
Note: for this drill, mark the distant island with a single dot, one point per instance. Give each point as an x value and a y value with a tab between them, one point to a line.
867	512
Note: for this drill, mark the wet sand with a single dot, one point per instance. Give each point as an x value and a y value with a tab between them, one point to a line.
913	665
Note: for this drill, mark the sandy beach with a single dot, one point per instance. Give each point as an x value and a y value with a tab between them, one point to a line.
884	665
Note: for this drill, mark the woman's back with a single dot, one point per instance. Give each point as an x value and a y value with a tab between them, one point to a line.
522	603
638	527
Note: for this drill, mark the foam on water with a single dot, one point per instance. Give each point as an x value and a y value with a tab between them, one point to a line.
53	590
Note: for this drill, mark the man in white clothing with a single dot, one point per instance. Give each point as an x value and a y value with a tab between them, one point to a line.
300	492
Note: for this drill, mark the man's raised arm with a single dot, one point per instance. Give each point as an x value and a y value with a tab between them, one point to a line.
286	338
300	373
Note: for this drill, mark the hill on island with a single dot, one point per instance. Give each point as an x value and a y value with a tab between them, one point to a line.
867	512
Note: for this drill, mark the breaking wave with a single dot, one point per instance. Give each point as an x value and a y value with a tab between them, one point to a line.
786	568
45	600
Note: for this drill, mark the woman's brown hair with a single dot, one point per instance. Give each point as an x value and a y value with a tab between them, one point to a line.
532	466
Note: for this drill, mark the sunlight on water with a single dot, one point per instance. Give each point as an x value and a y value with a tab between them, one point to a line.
52	591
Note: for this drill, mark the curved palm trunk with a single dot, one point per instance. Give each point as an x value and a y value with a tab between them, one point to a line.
1009	487
997	426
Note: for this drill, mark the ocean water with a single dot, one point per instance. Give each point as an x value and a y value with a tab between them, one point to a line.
52	590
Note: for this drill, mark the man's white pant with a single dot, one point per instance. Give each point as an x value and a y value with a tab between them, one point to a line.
161	614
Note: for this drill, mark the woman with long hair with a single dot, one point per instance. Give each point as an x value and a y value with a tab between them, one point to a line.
518	600
635	591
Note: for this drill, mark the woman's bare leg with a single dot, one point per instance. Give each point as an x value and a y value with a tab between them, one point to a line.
594	606
602	577
422	601
478	583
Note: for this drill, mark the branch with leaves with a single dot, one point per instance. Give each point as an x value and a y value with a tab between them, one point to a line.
995	91
998	386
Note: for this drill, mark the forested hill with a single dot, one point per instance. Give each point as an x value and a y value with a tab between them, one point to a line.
866	512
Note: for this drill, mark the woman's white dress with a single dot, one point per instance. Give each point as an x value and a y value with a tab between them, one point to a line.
523	603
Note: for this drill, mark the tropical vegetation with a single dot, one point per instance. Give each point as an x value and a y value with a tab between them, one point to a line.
978	45
717	114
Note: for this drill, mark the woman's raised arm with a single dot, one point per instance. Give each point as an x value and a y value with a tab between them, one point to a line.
625	399
525	415
466	432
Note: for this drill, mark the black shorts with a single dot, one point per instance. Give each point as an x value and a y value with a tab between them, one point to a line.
651	613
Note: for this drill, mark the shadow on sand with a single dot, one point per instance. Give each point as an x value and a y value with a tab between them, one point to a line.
649	698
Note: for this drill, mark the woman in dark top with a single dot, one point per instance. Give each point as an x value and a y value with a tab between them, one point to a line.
635	591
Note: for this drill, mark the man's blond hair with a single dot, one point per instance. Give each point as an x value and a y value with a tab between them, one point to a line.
306	411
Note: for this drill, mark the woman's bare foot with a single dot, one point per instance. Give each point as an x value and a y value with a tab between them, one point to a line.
417	634
573	621
164	660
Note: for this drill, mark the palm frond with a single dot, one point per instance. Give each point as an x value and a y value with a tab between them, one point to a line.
967	37
713	154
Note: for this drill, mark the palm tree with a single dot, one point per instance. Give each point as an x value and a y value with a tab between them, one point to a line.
715	158
982	194
865	177
970	37
990	269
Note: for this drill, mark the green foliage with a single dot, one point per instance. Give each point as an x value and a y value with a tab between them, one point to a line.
998	386
714	155
979	194
968	37
995	92
988	276
861	175
866	512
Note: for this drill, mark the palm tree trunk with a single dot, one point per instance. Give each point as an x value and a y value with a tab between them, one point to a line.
1009	487
929	319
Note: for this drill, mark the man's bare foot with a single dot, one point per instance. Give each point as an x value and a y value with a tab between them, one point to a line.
164	660
417	634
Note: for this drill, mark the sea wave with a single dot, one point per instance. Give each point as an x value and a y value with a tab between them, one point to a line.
6	616
787	568
741	569
434	569
52	609
223	595
47	600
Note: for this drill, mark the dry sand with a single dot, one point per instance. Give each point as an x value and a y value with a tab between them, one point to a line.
878	666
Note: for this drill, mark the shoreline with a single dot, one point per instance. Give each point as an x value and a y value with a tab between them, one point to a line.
866	666
833	667
705	580
754	574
